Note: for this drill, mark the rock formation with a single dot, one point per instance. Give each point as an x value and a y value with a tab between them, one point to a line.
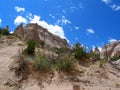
38	33
110	50
97	51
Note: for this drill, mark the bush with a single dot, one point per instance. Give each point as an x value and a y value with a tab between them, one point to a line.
42	63
31	44
115	58
60	50
65	64
4	31
42	43
93	56
102	62
79	52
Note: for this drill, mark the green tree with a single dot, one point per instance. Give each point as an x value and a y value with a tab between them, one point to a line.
79	51
31	44
5	31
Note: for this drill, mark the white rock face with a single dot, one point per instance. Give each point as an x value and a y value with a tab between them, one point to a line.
116	49
110	50
117	64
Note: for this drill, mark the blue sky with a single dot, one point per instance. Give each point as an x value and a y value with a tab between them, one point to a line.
90	22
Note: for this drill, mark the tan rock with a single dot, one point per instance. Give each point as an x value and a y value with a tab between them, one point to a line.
110	50
38	33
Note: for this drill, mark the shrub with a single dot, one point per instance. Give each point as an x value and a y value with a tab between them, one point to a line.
65	64
5	32
59	50
42	63
42	43
79	52
115	58
102	62
93	56
31	44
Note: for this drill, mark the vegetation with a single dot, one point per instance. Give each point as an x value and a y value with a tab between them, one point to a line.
79	52
42	63
42	43
4	31
65	64
102	62
93	56
115	58
31	44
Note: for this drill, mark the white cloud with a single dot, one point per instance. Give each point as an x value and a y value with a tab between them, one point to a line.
29	16
76	28
19	9
112	5
11	32
106	1
100	48
53	17
73	8
93	47
19	20
115	7
91	31
65	21
55	29
0	21
112	40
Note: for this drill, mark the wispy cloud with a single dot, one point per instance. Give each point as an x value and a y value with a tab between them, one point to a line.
114	7
19	20
19	9
53	17
63	21
76	28
0	21
112	40
90	30
106	1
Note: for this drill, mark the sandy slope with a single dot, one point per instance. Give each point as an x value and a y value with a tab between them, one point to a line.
90	78
7	52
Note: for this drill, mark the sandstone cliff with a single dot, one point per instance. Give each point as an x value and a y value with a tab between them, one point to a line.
38	33
110	50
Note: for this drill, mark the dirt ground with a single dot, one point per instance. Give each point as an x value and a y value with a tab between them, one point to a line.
90	78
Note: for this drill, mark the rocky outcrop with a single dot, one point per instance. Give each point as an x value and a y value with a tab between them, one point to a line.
110	50
38	33
96	51
116	64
